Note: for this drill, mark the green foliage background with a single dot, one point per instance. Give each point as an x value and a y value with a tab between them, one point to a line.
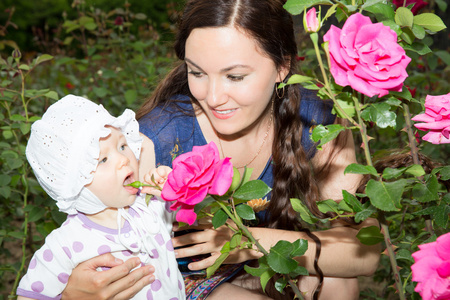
82	48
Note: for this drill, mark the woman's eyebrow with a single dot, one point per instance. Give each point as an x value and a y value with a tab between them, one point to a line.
224	70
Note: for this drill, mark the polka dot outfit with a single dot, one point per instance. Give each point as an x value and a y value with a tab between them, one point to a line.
80	239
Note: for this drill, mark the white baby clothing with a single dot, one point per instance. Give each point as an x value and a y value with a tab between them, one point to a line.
79	239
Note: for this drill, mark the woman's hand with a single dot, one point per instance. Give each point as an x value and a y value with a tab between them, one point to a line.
207	241
86	282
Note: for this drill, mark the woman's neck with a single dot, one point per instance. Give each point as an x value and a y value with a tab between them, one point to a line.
251	146
107	218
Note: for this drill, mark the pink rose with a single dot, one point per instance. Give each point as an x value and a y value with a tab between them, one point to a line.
196	174
366	56
436	118
310	21
418	4
432	269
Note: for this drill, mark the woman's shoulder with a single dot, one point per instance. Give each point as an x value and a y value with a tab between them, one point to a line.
313	110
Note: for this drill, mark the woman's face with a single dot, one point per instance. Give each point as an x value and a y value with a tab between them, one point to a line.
230	76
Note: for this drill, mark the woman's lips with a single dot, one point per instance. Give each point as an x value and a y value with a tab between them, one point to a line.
223	113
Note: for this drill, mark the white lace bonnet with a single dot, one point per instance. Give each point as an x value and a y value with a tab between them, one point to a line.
63	150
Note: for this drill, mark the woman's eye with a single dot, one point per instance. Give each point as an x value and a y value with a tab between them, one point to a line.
235	77
195	74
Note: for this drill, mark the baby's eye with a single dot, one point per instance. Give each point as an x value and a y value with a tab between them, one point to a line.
122	147
235	77
103	160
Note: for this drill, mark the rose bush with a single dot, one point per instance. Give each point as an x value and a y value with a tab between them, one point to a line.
436	118
195	175
432	269
366	56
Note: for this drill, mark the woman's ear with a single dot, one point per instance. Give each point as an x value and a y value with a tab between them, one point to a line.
284	71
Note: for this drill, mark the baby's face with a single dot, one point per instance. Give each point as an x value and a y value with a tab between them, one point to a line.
117	167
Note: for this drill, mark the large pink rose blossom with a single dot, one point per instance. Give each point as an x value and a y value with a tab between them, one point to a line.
366	56
436	118
418	4
432	269
196	174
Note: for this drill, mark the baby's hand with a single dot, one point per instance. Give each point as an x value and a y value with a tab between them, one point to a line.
156	176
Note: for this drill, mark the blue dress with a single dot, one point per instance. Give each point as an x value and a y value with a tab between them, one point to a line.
174	130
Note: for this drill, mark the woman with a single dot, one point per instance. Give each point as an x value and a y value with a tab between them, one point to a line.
233	55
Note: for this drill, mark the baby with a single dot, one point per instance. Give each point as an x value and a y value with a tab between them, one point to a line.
84	158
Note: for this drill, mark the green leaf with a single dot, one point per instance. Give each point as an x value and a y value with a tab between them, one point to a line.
5	191
370	235
445	173
16	234
305	214
299	271
426	192
36	213
404	254
419	48
254	189
24	67
415	170
296	78
299	247
296	7
347	105
390	173
326	133
219	219
52	95
210	270
442	4
441	215
418	31
100	91
279	260
235	240
385	196
327	205
381	10
352	201
264	272
245	212
429	21
131	96
4	179
361	169
367	211
380	113
280	284
407	35
443	55
25	128
404	17
43	58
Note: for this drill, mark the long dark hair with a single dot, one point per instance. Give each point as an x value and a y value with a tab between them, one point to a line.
272	28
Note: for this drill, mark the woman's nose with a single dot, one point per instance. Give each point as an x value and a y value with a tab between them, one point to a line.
216	93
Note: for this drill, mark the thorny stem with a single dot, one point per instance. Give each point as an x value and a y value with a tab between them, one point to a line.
391	254
363	131
247	233
314	38
414	152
